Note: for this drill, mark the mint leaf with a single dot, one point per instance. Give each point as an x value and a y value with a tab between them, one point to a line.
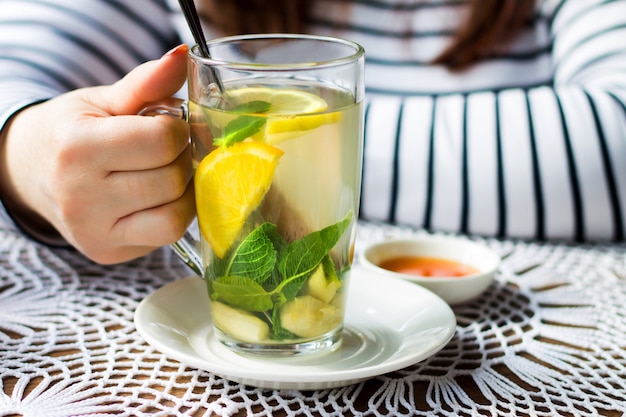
245	125
329	269
239	129
278	331
265	271
216	268
255	257
256	106
291	287
241	292
301	257
305	254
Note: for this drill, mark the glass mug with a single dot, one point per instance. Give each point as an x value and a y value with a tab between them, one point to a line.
276	127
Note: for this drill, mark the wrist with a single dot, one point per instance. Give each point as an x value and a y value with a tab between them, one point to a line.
24	217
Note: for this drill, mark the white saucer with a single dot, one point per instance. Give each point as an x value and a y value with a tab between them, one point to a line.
390	324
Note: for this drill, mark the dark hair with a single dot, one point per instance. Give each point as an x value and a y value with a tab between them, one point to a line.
233	17
488	27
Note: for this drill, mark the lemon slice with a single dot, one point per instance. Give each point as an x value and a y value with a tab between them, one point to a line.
283	101
230	183
292	112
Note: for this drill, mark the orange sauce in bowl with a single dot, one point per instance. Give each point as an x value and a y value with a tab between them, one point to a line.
428	267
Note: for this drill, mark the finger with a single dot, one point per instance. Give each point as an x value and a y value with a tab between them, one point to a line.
148	83
109	256
148	188
157	226
126	143
88	206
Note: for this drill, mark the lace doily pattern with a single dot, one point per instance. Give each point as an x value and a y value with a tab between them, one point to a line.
547	338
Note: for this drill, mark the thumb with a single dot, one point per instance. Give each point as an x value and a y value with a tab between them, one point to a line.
149	82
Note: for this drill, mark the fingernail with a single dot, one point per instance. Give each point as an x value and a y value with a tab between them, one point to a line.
183	48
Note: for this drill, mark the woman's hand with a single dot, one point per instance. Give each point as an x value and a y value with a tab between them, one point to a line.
115	185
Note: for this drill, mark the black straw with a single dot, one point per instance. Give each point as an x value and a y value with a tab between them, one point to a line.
189	10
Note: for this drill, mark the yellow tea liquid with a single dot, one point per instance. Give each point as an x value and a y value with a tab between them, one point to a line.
277	188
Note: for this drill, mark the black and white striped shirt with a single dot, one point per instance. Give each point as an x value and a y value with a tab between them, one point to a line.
530	143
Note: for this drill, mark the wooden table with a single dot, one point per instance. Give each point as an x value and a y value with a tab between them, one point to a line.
547	338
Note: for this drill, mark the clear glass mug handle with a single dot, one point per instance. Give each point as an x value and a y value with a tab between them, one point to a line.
187	247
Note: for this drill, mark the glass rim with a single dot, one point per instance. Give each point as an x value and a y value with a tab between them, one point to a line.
357	52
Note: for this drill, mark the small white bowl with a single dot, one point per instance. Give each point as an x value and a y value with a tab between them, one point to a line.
453	290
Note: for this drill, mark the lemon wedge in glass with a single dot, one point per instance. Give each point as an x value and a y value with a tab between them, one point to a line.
291	114
230	183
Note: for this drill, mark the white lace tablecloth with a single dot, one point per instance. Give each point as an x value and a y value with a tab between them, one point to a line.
547	338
